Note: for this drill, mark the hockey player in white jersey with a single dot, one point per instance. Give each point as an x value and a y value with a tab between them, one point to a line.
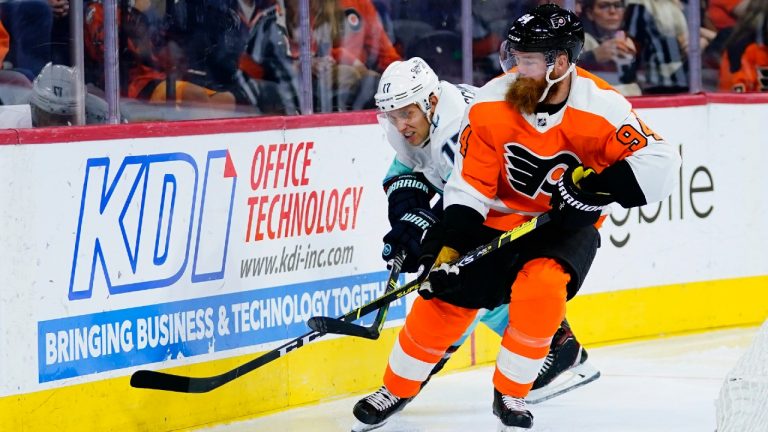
421	116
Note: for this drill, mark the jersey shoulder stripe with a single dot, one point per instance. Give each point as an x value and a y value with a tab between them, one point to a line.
495	90
592	94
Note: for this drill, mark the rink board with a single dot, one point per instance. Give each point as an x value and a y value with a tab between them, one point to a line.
142	253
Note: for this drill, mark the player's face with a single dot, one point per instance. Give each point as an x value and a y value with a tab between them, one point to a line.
525	92
527	64
411	122
530	65
607	14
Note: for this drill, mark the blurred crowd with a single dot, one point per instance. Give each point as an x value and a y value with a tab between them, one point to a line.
186	59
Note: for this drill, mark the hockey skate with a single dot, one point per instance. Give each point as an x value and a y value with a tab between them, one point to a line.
373	411
512	413
565	368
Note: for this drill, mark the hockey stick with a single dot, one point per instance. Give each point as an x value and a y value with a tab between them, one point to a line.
325	324
157	380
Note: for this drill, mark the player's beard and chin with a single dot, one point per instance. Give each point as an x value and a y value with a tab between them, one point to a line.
524	94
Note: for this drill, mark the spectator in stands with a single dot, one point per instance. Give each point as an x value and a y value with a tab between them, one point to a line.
363	37
348	47
60	37
252	91
14	86
431	29
150	58
660	33
5	42
29	24
211	38
359	53
744	66
607	50
269	61
725	13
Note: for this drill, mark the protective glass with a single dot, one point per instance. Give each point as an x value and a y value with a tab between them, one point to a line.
407	114
528	64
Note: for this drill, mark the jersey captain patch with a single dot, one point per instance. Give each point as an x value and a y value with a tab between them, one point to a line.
531	174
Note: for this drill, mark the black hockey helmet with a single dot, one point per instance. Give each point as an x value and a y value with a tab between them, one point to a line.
547	28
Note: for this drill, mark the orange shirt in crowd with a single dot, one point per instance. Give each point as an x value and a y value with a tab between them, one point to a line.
5	43
721	13
141	61
752	75
364	36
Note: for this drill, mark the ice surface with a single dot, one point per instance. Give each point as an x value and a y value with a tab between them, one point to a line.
657	385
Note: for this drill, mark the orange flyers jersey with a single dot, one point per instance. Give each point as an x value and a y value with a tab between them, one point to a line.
364	35
752	74
508	163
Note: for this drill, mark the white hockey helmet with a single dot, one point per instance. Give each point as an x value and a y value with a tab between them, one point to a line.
407	82
53	90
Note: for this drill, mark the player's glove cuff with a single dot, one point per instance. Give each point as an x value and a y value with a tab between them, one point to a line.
574	207
405	193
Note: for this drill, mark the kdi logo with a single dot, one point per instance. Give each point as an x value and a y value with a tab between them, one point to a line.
135	226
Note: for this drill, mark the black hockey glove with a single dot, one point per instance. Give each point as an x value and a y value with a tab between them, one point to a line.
406	234
573	204
444	277
443	244
405	193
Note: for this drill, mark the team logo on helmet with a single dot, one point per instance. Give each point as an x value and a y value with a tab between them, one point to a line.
353	19
557	22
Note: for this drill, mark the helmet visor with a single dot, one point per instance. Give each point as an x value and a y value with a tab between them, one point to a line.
527	64
408	114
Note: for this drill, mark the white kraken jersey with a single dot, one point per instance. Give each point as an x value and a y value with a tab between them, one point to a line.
434	158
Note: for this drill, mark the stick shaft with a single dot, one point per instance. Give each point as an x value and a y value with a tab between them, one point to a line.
169	382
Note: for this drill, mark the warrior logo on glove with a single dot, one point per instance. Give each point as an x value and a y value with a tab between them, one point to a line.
574	203
406	234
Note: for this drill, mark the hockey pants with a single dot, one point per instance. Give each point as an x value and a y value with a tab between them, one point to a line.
496	320
536	309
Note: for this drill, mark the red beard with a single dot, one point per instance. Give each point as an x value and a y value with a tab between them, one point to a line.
524	94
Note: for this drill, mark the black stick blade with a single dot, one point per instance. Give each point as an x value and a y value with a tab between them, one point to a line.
325	324
148	379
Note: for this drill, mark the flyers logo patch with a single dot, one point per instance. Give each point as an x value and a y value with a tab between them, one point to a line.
557	22
353	20
531	174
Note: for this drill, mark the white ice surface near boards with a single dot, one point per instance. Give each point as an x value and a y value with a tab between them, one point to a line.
657	385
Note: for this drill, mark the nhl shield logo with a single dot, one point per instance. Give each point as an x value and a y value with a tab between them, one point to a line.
557	22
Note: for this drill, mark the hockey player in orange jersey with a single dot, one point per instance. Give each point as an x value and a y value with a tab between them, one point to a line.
545	136
421	116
